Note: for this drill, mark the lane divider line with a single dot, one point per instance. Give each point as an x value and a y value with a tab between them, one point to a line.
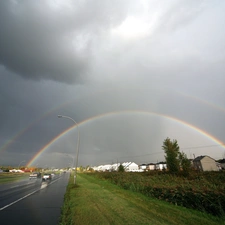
12	203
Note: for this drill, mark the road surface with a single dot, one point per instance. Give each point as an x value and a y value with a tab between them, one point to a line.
33	202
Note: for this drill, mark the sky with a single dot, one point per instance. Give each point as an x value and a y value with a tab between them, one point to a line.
128	74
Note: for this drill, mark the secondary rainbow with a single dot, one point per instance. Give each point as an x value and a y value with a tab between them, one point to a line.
119	113
50	112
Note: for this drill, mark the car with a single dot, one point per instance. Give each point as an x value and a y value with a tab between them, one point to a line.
35	175
46	176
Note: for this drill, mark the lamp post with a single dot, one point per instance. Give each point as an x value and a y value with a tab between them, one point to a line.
72	158
78	144
20	163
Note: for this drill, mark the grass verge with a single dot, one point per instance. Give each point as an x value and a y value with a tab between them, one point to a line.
200	191
11	177
96	201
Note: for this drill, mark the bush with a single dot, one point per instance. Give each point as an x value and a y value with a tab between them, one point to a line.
204	192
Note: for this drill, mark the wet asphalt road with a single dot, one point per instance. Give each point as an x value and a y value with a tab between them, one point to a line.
33	202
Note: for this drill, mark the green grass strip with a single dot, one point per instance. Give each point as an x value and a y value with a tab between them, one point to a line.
96	201
11	177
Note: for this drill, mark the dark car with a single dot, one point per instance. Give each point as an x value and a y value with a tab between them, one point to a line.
35	175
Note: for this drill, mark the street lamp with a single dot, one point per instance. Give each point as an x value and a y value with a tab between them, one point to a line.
72	158
20	163
78	143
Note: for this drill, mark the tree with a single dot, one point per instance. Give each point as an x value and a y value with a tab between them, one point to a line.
121	168
185	163
81	168
171	149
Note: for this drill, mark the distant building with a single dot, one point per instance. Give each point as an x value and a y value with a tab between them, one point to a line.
161	166
114	167
130	166
104	168
205	163
221	164
143	166
151	166
16	171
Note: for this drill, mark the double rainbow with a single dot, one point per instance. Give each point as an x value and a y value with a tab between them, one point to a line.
43	149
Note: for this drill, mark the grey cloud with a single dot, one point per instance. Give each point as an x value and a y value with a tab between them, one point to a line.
179	14
176	69
39	41
31	49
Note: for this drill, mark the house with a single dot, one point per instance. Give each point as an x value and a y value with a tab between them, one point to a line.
143	166
26	170
205	163
114	167
130	166
95	168
16	171
160	166
104	168
221	163
151	166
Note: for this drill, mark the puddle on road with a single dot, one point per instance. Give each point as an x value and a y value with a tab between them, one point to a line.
44	185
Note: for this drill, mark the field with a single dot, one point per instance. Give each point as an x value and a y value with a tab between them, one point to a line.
95	200
11	177
201	191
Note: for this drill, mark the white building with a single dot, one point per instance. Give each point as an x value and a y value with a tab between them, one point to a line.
130	166
104	168
151	166
160	166
16	171
114	167
143	166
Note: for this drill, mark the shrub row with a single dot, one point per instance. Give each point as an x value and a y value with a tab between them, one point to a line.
210	202
204	193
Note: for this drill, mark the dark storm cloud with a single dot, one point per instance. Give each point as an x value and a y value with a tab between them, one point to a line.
87	59
52	40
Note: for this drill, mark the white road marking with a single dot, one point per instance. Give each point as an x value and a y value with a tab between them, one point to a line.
14	186
12	203
18	200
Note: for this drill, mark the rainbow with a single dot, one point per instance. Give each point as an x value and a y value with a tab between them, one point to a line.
202	101
209	136
21	132
49	112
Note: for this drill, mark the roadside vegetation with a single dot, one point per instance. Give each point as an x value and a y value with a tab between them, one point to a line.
96	200
11	177
176	161
175	195
201	191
